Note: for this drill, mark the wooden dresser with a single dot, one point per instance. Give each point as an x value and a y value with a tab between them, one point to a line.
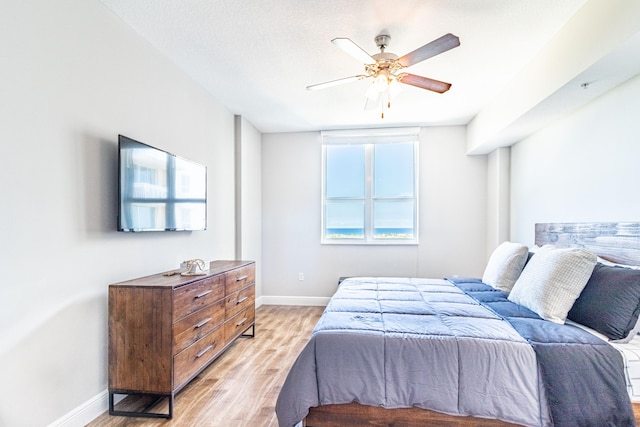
165	329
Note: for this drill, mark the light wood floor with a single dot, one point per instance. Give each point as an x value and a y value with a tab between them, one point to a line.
241	387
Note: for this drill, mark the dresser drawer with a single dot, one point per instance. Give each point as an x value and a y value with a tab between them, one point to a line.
239	323
191	298
186	363
240	300
239	278
195	326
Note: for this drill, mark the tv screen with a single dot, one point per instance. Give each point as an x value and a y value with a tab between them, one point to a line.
159	191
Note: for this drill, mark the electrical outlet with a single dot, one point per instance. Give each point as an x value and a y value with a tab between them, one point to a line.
300	276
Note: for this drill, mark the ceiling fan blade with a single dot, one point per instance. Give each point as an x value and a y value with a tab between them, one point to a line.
354	50
335	82
443	44
424	82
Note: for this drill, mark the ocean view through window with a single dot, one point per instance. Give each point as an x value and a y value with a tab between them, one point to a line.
370	186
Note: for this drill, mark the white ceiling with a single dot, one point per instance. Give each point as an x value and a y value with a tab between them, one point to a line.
256	57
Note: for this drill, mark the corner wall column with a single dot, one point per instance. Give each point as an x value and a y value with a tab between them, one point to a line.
498	197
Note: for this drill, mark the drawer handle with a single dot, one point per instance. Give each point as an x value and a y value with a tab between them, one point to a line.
203	294
241	278
241	322
241	300
199	355
202	323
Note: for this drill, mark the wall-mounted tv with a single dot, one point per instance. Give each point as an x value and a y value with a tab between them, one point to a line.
159	191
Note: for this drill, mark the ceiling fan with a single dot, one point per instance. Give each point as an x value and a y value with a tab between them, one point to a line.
387	69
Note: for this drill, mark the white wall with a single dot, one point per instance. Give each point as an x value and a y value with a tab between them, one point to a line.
249	193
585	167
452	218
73	76
585	49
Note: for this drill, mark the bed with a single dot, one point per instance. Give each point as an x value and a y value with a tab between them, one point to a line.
494	357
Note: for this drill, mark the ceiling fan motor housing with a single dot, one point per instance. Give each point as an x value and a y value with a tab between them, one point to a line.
382	41
385	62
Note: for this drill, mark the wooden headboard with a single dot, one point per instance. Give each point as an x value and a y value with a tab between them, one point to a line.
614	241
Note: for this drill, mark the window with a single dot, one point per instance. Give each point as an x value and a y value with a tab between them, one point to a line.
370	186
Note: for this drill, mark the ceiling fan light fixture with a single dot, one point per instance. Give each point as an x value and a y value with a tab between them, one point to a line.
382	80
394	87
373	91
380	84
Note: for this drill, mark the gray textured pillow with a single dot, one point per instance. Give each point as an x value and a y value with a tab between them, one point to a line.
610	302
552	281
505	265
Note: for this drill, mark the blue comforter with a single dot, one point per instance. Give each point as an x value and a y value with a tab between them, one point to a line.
460	349
582	375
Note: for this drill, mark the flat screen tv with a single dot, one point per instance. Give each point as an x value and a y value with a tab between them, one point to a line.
159	191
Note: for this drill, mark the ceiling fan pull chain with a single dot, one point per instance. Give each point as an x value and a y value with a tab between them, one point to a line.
389	95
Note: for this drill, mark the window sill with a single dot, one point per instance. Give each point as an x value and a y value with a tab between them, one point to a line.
360	242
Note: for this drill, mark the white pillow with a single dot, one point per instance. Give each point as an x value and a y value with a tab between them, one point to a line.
552	281
505	265
535	248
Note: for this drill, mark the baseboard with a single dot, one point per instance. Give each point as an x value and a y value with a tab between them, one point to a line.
85	413
283	300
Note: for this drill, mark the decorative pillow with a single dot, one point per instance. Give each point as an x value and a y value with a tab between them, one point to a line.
535	248
505	265
610	303
552	281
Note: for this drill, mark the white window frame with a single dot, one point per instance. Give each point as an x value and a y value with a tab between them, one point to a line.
368	138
